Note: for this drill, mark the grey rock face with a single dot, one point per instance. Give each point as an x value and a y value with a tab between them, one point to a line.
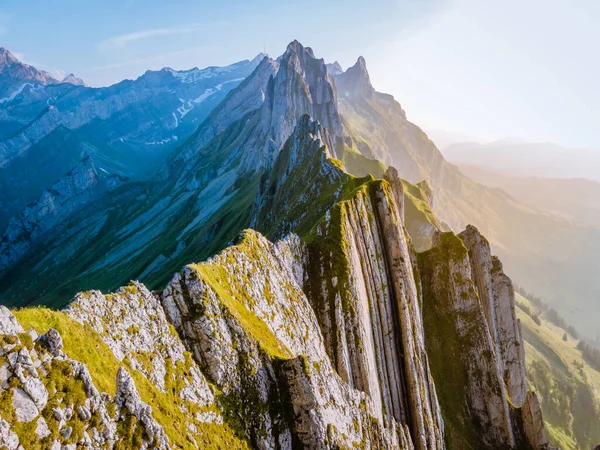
24	407
533	422
497	297
53	342
474	338
369	309
8	438
266	348
8	323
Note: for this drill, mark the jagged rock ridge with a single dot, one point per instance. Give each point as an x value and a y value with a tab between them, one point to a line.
328	338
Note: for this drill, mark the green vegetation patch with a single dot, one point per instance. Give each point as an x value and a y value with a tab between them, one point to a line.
86	346
236	300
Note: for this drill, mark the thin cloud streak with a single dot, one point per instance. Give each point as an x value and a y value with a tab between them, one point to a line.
153	58
125	39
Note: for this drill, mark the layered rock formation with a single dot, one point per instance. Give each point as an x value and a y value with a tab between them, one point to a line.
320	342
362	285
474	345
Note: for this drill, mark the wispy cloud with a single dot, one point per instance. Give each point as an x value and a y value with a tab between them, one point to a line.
153	58
125	39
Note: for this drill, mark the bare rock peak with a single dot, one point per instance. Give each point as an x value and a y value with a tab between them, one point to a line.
6	57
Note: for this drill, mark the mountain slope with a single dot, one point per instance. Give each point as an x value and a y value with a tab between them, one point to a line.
266	368
522	159
325	333
204	194
128	128
16	76
569	388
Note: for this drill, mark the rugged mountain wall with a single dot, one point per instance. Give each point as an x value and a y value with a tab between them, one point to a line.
79	187
474	345
362	285
250	326
497	297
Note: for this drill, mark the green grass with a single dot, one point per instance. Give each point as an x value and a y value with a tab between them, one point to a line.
419	220
234	299
569	388
357	164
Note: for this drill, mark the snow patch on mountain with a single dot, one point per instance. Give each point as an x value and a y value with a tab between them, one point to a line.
14	95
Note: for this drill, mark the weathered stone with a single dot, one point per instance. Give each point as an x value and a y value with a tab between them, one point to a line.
497	297
8	438
129	398
84	413
53	342
66	432
24	407
533	422
8	323
42	429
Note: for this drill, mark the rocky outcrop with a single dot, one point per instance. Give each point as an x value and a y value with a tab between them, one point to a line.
533	422
48	398
128	397
42	392
497	297
355	80
301	86
253	332
361	283
468	314
461	349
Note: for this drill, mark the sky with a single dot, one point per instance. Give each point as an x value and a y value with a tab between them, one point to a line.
462	69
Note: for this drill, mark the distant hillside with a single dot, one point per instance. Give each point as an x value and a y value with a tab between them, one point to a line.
569	388
574	199
513	158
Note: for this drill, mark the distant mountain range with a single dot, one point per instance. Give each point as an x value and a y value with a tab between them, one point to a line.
574	199
47	127
512	157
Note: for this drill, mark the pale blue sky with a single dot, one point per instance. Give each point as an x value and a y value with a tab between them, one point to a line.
483	69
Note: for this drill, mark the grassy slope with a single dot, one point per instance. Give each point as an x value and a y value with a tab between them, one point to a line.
566	383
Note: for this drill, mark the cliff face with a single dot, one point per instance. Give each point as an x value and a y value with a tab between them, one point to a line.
362	285
249	324
474	345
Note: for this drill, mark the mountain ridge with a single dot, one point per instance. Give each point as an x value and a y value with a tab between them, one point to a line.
322	327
